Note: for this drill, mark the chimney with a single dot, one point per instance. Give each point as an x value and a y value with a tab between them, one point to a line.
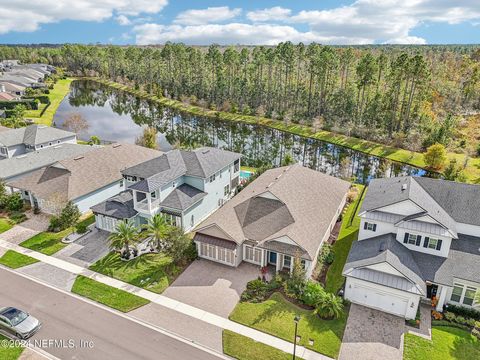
404	187
2	88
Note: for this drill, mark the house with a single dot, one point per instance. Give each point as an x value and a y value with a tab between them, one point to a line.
19	141
12	88
85	179
19	166
5	96
184	186
285	212
419	239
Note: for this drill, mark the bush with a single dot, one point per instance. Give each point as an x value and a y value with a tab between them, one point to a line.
17	217
81	228
312	293
14	202
55	224
67	218
329	306
449	316
326	255
435	157
256	291
464	311
191	252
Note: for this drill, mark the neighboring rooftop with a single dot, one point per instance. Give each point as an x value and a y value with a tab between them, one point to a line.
202	163
292	201
74	177
34	160
33	135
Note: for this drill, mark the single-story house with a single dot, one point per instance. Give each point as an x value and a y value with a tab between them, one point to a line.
419	240
286	212
86	179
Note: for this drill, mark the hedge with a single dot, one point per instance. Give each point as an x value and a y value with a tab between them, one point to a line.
44	99
30	104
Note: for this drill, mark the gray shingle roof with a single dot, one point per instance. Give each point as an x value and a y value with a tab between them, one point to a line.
388	191
201	162
183	197
33	135
31	161
119	206
384	248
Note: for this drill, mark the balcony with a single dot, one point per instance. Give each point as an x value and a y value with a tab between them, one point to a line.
143	206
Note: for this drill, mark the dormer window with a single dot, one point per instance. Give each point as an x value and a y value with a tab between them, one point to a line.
430	243
370	226
412	239
153	195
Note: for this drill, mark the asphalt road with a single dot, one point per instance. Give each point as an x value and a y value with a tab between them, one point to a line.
71	320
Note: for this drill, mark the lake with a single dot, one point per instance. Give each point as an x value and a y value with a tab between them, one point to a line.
116	116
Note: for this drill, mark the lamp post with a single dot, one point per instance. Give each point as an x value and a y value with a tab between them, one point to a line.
296	319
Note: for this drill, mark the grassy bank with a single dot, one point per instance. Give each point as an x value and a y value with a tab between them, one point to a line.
15	260
59	91
472	170
47	243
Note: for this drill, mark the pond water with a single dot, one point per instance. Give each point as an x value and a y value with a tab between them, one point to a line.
116	116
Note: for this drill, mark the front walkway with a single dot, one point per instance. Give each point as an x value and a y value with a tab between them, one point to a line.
171	304
372	335
211	286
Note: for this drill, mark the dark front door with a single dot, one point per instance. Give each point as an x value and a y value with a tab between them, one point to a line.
431	290
272	258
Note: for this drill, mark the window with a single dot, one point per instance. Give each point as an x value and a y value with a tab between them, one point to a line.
304	264
469	296
432	243
287	261
50	144
192	220
457	293
58	141
253	255
153	195
370	226
412	239
226	190
120	183
236	166
212	178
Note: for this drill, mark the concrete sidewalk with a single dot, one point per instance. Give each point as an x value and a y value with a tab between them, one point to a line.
171	304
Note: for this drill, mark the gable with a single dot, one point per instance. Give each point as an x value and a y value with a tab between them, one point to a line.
215	231
268	195
385	268
405	207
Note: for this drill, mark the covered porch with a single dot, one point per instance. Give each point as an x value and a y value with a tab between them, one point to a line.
437	295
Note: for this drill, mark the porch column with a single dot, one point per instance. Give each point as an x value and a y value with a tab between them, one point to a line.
262	259
279	262
30	197
441	298
134	194
149	201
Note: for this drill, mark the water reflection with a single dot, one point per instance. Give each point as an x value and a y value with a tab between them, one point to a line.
114	115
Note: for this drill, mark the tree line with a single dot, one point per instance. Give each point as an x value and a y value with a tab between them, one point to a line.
409	96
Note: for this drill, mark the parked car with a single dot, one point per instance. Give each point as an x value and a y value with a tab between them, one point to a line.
18	322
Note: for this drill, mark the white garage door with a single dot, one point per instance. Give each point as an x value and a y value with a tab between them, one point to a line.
379	299
217	253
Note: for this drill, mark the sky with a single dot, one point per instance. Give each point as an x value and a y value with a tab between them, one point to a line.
203	22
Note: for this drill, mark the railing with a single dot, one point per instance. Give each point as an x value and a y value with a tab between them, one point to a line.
143	205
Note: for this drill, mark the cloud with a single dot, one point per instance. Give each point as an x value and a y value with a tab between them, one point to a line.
272	14
123	20
27	15
206	16
234	33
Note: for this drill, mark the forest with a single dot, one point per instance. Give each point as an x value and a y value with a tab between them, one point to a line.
406	96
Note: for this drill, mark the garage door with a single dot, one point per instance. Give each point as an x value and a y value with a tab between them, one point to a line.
217	253
379	299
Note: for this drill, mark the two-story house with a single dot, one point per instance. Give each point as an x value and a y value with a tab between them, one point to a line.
419	239
184	186
16	142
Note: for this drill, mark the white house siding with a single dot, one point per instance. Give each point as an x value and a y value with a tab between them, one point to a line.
386	268
16	150
442	252
85	202
382	228
406	207
466	283
390	300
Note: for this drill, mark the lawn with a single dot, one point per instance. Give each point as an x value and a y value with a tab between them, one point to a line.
15	260
243	348
5	225
9	353
47	243
275	316
347	235
448	343
107	295
152	272
59	91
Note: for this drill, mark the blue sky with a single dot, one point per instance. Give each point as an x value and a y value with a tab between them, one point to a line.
240	22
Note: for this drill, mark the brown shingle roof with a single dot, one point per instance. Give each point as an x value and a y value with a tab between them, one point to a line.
311	198
72	178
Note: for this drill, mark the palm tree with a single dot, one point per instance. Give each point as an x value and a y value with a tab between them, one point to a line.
157	228
125	234
329	306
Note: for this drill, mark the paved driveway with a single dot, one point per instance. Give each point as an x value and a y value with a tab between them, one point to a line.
372	335
213	287
27	229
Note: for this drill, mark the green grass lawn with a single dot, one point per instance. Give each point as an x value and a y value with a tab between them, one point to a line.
243	348
347	235
47	243
275	316
15	260
448	343
59	91
9	353
152	272
107	295
5	225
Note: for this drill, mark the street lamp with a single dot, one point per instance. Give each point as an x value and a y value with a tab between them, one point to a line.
296	319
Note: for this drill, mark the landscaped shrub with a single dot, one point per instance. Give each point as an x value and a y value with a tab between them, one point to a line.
329	306
55	224
312	293
17	217
67	218
463	311
449	316
256	291
81	228
326	255
14	202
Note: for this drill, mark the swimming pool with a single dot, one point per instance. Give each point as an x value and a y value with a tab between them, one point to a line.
244	175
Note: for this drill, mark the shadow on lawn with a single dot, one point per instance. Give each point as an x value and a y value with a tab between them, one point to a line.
465	346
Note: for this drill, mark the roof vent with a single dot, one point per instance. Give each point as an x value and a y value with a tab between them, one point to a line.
116	145
78	158
382	247
404	187
206	151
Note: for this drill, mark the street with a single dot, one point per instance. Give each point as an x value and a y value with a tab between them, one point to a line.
86	331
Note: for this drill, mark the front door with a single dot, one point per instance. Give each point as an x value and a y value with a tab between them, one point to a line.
432	290
272	258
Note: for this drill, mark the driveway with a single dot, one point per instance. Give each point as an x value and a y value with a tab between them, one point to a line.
27	229
211	286
371	334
